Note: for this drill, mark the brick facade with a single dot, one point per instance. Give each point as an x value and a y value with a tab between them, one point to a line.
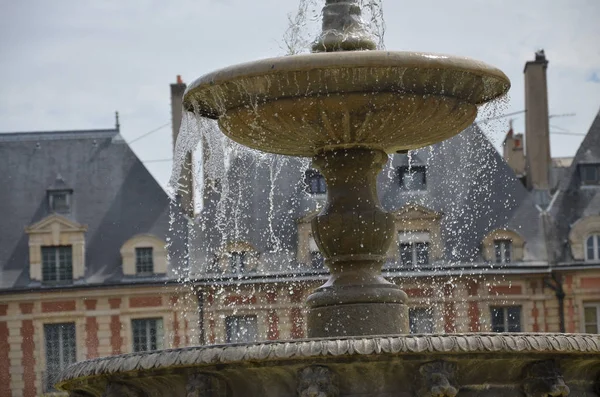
102	319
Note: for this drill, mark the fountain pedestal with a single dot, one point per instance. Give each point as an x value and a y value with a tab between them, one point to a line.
354	234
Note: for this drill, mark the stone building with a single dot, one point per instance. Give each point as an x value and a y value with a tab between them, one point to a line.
84	271
477	249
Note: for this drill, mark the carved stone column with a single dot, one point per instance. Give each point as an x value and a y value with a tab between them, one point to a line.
354	233
317	380
437	379
544	379
343	28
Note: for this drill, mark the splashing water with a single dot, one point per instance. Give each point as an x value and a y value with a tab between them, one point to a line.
304	25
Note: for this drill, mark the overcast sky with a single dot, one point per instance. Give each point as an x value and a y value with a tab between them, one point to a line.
71	64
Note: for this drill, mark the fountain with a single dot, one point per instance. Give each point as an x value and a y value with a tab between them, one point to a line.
347	107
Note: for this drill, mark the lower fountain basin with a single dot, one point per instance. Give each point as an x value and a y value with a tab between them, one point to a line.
405	365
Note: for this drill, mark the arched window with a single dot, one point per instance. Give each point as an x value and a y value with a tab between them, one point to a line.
592	248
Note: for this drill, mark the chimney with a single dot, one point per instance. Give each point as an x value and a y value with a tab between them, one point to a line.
185	191
537	130
513	151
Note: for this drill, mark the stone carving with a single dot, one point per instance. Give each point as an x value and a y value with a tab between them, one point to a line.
437	379
114	389
198	385
317	381
431	344
543	379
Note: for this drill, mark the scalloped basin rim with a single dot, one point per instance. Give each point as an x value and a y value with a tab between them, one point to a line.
301	349
347	60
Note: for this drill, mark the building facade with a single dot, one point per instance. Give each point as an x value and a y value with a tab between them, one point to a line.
84	268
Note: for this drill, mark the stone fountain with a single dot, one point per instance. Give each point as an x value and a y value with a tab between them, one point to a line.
347	107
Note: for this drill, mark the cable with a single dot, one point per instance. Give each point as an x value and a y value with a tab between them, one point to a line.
156	161
149	132
501	117
566	133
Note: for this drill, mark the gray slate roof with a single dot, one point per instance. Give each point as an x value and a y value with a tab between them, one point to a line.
114	196
467	181
574	201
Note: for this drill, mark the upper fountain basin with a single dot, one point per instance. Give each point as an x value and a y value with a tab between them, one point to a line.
303	104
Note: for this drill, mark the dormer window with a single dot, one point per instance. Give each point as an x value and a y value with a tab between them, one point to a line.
413	178
60	196
590	174
315	182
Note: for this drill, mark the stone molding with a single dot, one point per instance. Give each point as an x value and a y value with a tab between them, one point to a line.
459	344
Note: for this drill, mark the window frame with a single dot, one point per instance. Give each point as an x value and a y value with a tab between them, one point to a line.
584	168
501	246
159	333
229	331
595	247
52	194
142	268
585	323
311	176
57	263
506	318
243	261
429	314
403	171
414	240
49	376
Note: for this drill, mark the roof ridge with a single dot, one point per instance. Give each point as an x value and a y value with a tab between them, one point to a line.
56	135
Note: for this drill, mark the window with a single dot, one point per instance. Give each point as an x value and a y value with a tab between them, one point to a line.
414	249
57	264
590	174
592	248
237	261
591	318
420	321
60	351
59	201
413	178
503	251
144	260
147	334
241	329
506	319
316	258
315	182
